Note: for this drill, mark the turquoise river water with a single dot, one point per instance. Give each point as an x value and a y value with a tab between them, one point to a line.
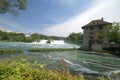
77	61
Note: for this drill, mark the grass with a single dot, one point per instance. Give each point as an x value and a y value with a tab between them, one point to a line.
50	49
3	51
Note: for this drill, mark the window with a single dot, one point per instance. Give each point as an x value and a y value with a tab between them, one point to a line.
93	42
99	42
100	37
91	37
91	33
100	27
91	28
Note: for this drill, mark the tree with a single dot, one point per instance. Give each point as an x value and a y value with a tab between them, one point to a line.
113	32
12	6
49	40
74	38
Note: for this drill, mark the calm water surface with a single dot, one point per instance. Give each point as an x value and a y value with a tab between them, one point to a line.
77	61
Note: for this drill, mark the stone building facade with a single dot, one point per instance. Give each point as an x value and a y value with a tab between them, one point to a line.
94	36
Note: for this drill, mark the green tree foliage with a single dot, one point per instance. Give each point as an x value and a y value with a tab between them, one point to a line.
113	32
4	36
74	38
49	40
57	38
38	36
12	6
20	37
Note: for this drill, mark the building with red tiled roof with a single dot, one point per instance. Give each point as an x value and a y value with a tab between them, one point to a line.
95	34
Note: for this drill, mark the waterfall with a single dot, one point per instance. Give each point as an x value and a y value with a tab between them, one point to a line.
57	42
52	42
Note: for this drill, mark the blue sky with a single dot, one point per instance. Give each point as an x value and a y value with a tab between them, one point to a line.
60	17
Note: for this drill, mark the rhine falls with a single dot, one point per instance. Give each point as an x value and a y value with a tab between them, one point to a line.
52	42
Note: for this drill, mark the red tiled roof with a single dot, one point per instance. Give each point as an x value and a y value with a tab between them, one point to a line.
96	23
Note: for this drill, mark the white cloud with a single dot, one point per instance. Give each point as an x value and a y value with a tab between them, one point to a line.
108	9
12	25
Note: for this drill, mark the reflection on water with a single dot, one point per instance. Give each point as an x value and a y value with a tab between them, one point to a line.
77	61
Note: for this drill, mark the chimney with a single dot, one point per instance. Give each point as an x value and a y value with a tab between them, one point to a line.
102	18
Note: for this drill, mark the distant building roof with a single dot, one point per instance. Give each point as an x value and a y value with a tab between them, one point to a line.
0	28
96	23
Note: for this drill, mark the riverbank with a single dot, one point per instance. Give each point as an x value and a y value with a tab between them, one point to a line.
115	50
91	50
112	51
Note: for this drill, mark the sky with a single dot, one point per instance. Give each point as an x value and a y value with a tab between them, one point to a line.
60	17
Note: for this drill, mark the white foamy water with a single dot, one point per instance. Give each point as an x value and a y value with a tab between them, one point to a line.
42	42
52	42
57	42
79	67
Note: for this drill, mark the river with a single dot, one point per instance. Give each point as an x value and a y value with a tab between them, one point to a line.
77	61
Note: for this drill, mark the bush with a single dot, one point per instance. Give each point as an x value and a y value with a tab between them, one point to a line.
23	70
